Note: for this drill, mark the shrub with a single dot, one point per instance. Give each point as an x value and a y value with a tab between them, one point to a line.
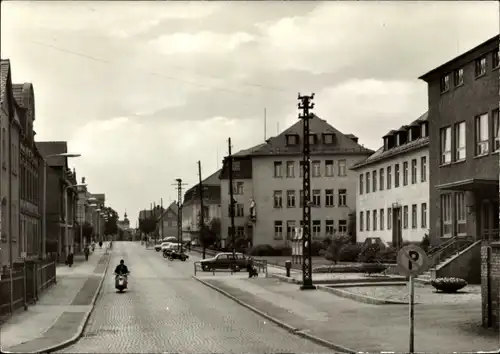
369	268
369	253
448	285
350	252
317	247
333	252
270	251
373	268
387	255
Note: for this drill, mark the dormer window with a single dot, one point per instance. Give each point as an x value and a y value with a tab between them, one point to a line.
410	134
328	139
292	139
312	139
423	130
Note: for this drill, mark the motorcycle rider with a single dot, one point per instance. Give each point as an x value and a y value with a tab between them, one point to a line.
121	269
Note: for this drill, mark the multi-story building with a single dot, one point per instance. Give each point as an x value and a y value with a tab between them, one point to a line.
166	225
30	238
267	185
464	168
98	219
10	132
191	208
392	195
61	199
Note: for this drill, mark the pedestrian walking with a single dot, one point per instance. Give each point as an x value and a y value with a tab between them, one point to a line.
100	244
250	268
70	258
86	251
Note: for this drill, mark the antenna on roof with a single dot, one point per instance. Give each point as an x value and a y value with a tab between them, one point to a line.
265	124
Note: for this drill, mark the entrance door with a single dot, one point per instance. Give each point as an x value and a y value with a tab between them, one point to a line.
489	220
397	228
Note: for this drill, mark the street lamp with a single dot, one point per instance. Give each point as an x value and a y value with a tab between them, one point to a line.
44	211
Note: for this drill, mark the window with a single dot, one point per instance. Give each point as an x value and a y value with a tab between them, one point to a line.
496	130
423	215
445	83
236	165
361	221
445	136
458	77
238	188
290	199
278	199
316	168
301	198
342	168
381	179
389	218
460	214
396	175
405	217
329	198
482	146
290	229
240	231
446	215
316	228
240	210
382	219
423	130
278	173
342	197
329	168
374	181
367	185
495	63
301	168
290	169
361	181
413	171
389	177
480	66
316	197
343	227
414	221
312	139
405	173
329	228
368	220
278	230
374	220
423	169
328	139
291	139
460	141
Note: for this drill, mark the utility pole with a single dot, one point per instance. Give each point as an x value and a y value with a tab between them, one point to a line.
231	196
161	217
305	105
202	213
179	185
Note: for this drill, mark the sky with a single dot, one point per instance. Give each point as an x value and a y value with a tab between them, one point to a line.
145	90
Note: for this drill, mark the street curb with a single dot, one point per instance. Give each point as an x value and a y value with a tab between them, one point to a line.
293	330
82	326
359	298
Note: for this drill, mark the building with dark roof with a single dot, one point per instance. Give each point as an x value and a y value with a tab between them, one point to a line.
191	207
267	185
392	193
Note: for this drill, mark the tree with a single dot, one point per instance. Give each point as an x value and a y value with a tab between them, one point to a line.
147	226
111	225
333	252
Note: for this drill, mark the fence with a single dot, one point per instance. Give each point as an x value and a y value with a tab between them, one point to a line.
22	285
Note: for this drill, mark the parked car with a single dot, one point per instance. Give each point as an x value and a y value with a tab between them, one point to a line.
224	261
159	246
170	239
168	248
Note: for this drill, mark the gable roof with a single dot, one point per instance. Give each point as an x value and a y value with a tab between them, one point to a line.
48	148
382	154
343	143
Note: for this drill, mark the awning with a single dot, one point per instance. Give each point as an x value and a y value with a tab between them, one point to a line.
471	184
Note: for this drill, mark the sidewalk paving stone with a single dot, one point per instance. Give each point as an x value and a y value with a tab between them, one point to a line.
442	328
61	310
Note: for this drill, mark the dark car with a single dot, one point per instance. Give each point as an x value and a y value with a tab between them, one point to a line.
224	261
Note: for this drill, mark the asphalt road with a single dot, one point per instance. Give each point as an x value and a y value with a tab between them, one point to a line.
166	311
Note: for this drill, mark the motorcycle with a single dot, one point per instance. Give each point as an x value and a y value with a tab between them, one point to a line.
177	255
121	282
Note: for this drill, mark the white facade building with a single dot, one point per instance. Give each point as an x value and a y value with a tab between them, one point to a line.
268	185
392	197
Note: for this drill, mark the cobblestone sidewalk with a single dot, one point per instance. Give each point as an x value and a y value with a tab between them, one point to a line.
61	311
363	327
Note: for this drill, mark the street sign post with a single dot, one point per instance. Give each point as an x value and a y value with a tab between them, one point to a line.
412	260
